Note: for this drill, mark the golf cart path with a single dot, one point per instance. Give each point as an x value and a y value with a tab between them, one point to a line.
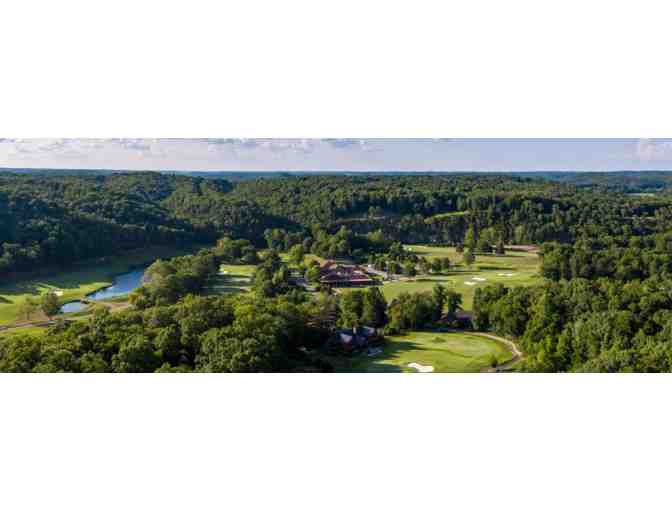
510	345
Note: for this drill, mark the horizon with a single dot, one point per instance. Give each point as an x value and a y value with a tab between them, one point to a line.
305	155
329	171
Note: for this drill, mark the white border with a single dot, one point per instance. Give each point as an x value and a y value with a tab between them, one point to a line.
355	69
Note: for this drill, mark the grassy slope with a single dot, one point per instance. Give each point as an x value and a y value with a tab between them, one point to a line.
80	282
524	266
446	352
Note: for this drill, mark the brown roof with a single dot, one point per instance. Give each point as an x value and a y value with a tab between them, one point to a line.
332	272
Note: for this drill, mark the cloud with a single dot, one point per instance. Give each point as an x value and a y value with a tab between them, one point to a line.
343	143
654	150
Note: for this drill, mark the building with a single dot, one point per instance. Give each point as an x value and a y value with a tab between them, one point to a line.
355	339
341	275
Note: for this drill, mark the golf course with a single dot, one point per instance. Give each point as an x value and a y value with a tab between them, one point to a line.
428	351
511	269
78	282
232	278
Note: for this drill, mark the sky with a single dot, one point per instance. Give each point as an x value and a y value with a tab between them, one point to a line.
352	154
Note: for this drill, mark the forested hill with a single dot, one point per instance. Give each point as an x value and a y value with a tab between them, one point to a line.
62	219
59	219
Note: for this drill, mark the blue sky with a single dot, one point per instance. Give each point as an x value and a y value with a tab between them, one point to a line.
338	154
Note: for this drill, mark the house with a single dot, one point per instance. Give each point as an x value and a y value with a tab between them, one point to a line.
341	275
355	339
461	319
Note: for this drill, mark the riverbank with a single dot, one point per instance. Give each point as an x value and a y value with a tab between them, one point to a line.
83	280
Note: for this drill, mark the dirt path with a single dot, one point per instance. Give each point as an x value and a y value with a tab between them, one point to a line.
510	345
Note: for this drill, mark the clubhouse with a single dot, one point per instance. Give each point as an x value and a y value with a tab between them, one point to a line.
341	275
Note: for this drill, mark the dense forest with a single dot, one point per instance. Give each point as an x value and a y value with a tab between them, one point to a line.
61	219
605	240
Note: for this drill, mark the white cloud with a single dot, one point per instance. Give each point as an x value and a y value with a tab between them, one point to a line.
654	150
335	154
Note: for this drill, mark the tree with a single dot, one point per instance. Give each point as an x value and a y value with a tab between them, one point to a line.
409	269
453	303
469	258
439	296
470	238
483	246
445	264
437	266
296	254
49	304
351	306
499	250
374	308
393	267
313	273
425	265
27	308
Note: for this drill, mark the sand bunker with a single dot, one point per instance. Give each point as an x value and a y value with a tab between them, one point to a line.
506	274
478	279
59	293
470	283
421	368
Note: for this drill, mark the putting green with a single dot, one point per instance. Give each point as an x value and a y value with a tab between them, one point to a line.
445	352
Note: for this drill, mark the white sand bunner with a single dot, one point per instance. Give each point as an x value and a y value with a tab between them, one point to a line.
421	368
470	283
478	279
59	293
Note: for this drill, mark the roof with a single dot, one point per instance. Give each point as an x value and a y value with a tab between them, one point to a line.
332	272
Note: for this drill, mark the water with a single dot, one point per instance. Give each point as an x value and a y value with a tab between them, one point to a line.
72	306
122	285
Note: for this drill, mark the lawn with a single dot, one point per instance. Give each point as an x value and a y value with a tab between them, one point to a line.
80	281
514	268
445	352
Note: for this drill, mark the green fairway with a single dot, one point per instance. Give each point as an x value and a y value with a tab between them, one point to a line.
232	278
77	283
514	268
445	352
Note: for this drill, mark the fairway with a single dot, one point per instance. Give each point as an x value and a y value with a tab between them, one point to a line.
77	283
232	279
514	268
444	352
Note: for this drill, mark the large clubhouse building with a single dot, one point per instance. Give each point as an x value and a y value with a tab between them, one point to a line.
341	275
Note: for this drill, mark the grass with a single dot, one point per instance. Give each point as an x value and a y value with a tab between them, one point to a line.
523	267
446	352
446	215
78	282
232	278
32	331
